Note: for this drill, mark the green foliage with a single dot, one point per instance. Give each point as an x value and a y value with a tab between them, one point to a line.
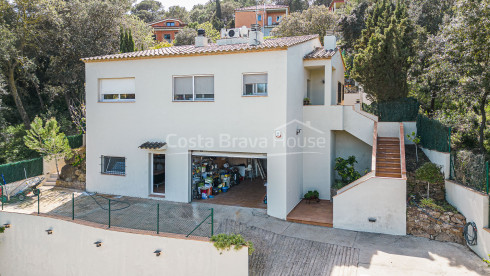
148	10
429	172
211	32
2	229
162	44
351	25
312	195
345	169
430	203
20	170
75	141
225	242
413	138
185	37
385	52
433	134
47	140
127	41
12	147
79	159
487	261
314	20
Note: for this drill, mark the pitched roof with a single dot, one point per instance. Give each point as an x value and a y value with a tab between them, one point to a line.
212	49
152	145
261	7
320	53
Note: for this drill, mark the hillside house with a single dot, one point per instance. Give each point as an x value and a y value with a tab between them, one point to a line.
183	122
166	29
267	16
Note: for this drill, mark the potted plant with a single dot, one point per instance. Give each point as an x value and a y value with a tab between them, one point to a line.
312	195
306	101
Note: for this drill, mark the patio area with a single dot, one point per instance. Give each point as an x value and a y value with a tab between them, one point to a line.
314	213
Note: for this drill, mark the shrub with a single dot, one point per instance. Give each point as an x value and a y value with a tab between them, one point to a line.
225	242
429	172
345	169
312	194
2	229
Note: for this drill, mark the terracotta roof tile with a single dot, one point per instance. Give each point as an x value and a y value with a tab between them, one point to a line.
186	50
320	53
152	145
261	7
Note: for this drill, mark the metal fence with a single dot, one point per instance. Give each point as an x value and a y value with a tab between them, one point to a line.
75	141
433	134
401	110
470	170
21	170
132	213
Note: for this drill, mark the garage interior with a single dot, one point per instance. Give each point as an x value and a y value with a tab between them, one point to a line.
229	180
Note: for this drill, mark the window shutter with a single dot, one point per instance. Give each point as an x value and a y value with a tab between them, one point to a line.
255	78
204	87
183	88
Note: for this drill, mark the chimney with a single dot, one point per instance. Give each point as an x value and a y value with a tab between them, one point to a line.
255	36
330	41
201	39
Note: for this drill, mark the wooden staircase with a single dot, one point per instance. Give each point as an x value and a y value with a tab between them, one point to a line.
388	157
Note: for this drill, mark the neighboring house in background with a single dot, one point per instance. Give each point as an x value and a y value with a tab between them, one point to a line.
154	116
336	4
166	29
267	16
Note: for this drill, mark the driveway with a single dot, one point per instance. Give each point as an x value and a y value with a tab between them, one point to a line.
285	248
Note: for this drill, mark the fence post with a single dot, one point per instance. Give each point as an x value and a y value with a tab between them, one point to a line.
38	211
212	222
449	139
1	198
73	206
486	165
109	213
158	218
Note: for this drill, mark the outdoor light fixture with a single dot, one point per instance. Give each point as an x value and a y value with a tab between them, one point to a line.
158	252
372	219
49	231
6	225
98	243
298	131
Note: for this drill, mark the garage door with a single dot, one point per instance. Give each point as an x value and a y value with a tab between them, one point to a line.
229	154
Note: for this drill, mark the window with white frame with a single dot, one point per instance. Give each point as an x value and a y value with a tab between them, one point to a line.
255	84
113	165
194	88
117	90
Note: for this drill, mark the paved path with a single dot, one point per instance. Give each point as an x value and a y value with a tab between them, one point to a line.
286	248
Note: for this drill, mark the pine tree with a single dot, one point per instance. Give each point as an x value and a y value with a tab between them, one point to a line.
385	52
121	39
130	42
218	9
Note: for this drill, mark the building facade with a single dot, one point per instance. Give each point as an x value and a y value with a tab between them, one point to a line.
267	16
165	30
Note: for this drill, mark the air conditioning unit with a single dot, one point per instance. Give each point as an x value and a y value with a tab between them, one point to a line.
235	32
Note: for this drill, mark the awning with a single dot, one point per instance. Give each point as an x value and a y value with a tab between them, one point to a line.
229	154
154	145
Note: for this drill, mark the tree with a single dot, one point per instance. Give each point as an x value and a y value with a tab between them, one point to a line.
148	10
218	10
78	115
461	60
185	37
352	24
211	32
314	20
294	5
47	140
429	14
178	12
385	52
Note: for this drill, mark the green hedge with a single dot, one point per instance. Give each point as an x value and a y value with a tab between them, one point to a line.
402	110
433	134
15	171
75	141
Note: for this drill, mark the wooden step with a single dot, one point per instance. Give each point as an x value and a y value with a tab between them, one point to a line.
386	154
388	139
385	174
388	146
388	159
388	169
394	163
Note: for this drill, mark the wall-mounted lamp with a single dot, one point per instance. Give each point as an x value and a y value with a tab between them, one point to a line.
298	131
323	81
49	231
158	252
372	219
6	225
98	243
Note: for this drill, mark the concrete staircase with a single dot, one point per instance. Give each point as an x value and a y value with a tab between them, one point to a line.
51	180
388	157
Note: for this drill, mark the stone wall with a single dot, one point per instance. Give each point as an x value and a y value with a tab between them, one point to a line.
420	224
419	188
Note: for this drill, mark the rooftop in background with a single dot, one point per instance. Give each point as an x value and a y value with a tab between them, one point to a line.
212	49
321	53
262	7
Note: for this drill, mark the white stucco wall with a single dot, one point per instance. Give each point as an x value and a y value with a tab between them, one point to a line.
409	128
347	145
26	249
377	197
389	129
442	159
359	125
352	98
474	206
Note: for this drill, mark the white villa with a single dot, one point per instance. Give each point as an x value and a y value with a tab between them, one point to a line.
166	123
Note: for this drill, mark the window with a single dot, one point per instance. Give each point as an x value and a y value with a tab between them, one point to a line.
113	165
259	17
194	88
117	90
167	37
255	84
170	24
278	18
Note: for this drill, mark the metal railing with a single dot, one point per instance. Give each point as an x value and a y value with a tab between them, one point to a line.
132	213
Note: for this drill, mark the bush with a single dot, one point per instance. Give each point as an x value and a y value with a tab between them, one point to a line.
312	194
345	169
2	229
225	242
429	172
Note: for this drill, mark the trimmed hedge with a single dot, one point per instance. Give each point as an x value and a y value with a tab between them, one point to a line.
75	141
15	171
433	134
402	110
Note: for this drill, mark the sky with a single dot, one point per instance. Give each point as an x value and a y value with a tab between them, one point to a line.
188	4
